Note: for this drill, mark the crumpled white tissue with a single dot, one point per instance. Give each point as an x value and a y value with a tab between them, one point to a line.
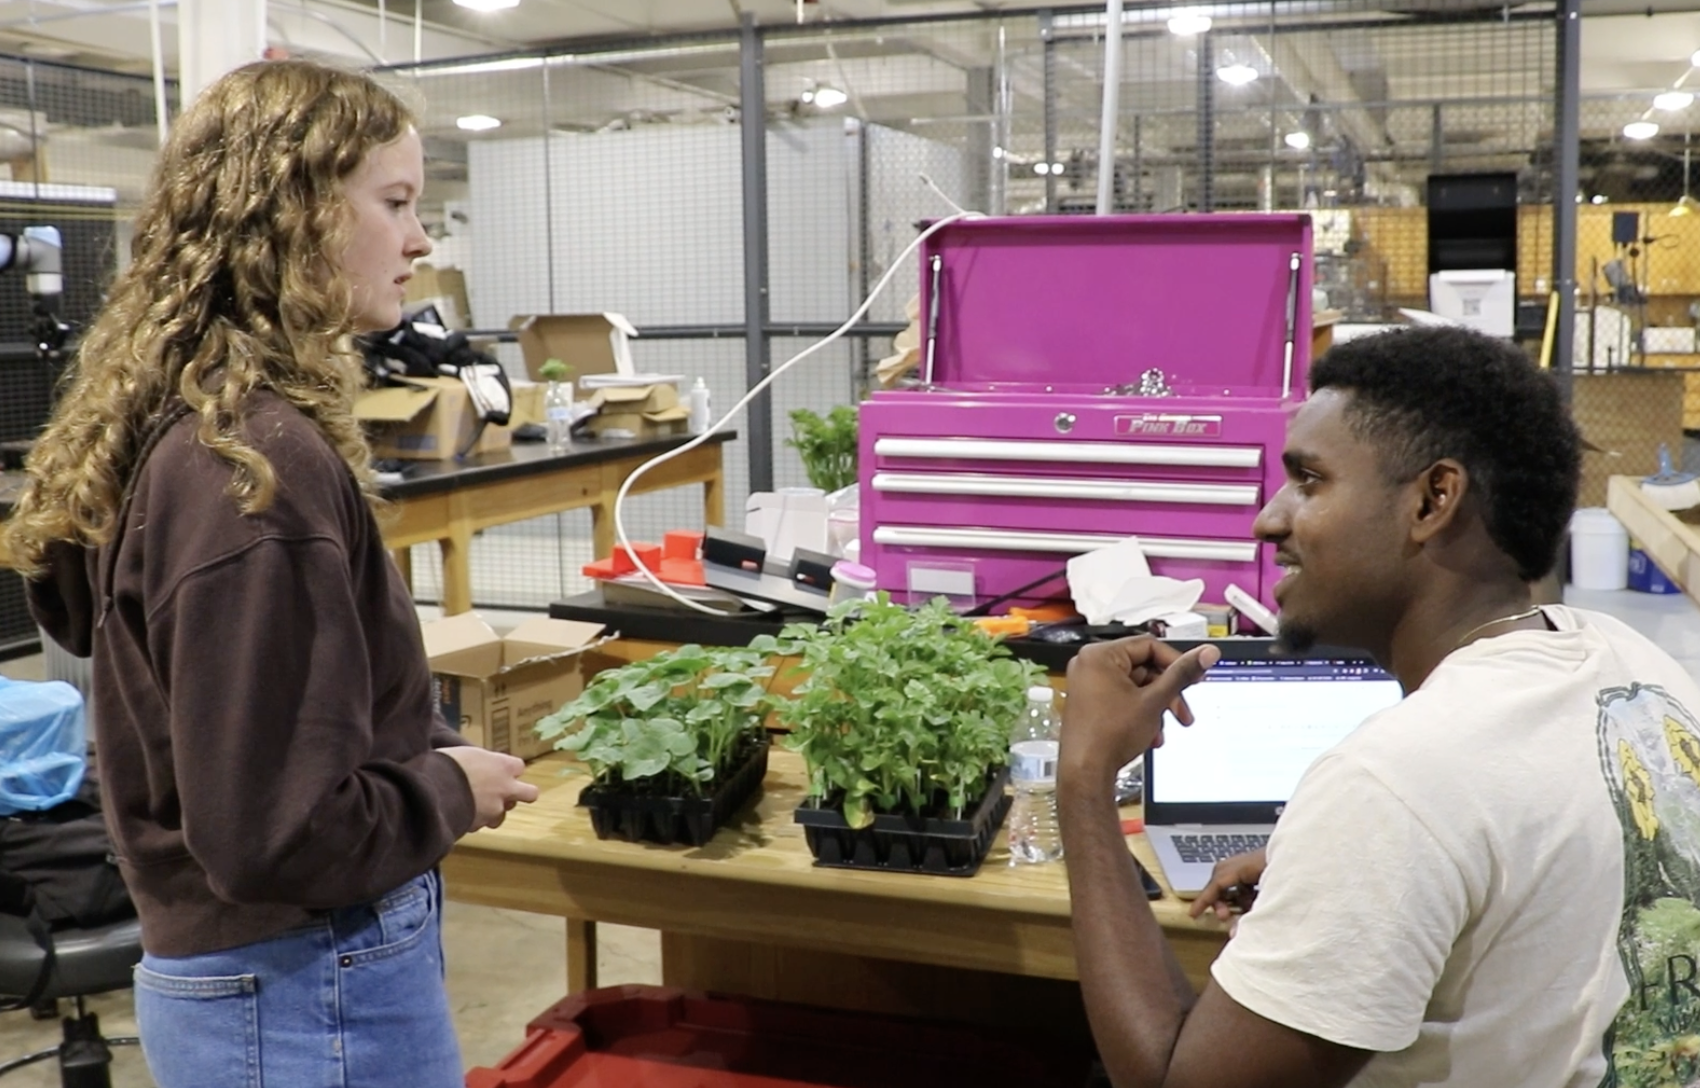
1115	583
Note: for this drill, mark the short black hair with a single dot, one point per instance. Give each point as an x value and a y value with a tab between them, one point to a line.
1421	395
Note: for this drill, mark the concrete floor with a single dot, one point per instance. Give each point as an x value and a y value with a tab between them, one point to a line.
504	968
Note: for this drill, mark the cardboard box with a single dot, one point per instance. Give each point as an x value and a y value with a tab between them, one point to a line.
646	411
589	343
444	288
528	403
428	419
495	689
598	348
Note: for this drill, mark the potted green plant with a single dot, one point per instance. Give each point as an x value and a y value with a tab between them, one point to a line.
674	744
827	446
903	723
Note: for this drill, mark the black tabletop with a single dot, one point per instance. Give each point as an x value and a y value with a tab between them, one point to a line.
432	477
525	459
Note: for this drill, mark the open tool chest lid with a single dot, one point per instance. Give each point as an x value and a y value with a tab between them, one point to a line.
1090	304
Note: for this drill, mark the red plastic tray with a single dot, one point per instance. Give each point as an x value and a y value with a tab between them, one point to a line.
656	1037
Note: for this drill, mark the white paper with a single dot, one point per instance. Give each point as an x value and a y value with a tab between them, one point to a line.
1115	583
625	381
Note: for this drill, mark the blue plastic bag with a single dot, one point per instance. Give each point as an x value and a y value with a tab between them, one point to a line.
43	745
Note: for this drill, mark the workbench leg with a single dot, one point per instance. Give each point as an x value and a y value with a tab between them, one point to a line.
714	499
404	564
457	572
581	955
602	525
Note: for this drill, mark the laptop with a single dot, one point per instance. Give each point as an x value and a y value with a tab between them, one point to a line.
1214	790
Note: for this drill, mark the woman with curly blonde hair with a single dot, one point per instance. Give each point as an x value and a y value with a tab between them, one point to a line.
277	783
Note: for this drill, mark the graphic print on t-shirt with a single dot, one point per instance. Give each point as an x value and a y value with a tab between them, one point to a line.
1649	748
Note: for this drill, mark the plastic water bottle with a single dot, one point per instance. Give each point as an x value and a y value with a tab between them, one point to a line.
558	415
1034	835
1039	721
701	414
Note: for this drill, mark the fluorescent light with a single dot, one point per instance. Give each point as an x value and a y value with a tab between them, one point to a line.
1641	130
1189	22
488	5
1041	168
829	97
1673	100
478	122
1057	169
1298	141
1237	75
476	67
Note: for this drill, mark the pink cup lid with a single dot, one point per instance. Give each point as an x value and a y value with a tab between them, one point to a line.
854	574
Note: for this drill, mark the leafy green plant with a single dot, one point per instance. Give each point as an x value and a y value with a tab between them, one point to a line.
826	445
671	725
902	708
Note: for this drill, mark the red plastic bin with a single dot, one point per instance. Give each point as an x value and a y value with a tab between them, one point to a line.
657	1037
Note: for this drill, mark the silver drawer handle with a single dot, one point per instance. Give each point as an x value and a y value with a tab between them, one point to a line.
1015	540
1091	453
1039	487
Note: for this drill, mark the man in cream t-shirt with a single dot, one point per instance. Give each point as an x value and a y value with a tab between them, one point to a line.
1495	882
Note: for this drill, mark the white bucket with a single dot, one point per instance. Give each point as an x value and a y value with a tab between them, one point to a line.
1599	550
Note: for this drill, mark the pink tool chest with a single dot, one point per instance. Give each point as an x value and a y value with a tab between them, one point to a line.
1082	380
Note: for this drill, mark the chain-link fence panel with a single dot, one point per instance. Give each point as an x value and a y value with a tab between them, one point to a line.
1638	272
589	183
76	150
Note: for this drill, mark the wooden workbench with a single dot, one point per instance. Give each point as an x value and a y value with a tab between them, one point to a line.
446	502
749	913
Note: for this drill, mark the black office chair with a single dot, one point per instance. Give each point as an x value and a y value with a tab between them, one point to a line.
85	962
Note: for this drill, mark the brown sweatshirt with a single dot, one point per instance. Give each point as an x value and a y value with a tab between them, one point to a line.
261	699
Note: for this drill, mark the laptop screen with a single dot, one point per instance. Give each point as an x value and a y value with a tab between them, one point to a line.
1258	725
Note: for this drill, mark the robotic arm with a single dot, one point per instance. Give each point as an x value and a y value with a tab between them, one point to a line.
39	254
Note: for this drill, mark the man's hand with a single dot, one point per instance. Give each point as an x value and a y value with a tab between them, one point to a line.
494	778
1233	885
1117	693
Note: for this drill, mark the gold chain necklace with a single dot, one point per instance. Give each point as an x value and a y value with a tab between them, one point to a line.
1534	611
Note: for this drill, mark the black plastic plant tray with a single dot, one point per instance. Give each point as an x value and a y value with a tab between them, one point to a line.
907	843
632	817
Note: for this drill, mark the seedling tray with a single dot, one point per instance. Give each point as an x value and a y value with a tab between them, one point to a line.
635	817
898	843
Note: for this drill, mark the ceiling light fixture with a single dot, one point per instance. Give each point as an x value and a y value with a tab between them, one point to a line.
1672	101
488	5
1298	141
477	122
1237	75
1041	168
1641	130
1187	23
830	97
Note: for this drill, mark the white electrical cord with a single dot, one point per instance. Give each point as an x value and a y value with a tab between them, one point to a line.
836	334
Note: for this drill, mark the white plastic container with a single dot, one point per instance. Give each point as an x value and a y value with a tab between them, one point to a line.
850	582
701	415
1599	550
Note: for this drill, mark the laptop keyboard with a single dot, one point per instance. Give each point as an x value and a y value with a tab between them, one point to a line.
1213	848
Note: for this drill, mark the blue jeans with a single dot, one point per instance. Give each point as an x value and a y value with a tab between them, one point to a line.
355	999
